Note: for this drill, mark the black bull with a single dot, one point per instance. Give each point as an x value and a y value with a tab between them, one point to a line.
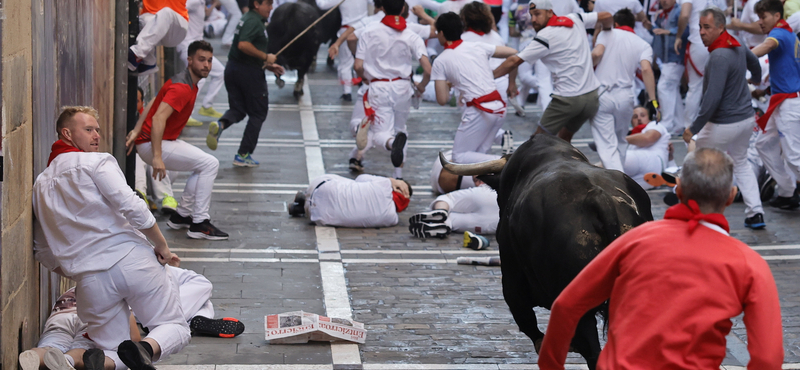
557	212
288	21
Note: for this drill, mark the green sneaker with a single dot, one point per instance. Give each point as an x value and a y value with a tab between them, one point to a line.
169	204
144	198
214	132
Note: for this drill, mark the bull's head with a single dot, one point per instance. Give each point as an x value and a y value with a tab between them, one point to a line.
488	172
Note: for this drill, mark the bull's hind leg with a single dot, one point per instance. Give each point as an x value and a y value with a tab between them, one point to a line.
518	295
586	341
298	86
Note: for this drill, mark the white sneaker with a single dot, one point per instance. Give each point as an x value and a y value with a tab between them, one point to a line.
55	360
362	135
29	360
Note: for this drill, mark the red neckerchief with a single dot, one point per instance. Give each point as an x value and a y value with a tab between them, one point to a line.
479	33
625	28
774	102
725	40
691	212
141	110
665	12
394	22
638	129
368	110
556	21
454	44
782	24
400	201
60	147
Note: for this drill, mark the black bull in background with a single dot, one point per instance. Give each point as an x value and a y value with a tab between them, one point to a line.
288	21
557	212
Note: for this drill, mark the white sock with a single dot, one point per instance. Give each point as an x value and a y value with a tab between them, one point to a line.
70	360
398	172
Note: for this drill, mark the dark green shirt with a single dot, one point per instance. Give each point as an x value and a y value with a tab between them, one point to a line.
251	29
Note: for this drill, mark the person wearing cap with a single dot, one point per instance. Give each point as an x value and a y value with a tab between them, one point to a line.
562	46
367	201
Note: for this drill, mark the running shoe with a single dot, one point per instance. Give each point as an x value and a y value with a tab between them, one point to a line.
397	149
226	327
297	208
144	197
94	359
786	202
178	222
755	222
55	360
193	122
133	61
475	241
346	97
205	230
656	180
214	132
210	112
29	360
435	216
135	356
146	69
245	161
362	133
355	165
429	230
169	204
767	189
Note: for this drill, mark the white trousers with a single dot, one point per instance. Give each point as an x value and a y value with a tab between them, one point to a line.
476	133
138	281
179	155
161	189
215	79
474	209
345	67
544	84
640	162
779	146
669	96
166	28
699	56
610	126
734	138
528	80
64	331
235	15
195	293
392	104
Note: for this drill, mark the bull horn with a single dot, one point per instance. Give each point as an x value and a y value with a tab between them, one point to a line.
473	169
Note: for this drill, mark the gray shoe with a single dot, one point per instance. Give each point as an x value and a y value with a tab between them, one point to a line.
55	360
29	360
214	132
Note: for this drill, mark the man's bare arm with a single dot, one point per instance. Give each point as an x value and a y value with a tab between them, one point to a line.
510	63
683	21
156	136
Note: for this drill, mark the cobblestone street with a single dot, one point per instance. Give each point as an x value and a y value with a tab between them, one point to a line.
421	309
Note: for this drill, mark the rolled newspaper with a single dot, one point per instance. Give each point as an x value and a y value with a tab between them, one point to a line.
484	261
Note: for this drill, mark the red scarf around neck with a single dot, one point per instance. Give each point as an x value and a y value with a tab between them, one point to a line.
394	22
556	21
638	129
454	44
691	212
400	201
60	147
479	33
665	12
782	24
625	28
725	40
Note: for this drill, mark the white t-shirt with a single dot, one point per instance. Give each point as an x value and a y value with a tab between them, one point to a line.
694	18
565	52
564	7
749	16
197	17
452	6
352	10
613	6
491	38
467	68
622	56
432	5
794	22
387	53
364	202
660	147
424	31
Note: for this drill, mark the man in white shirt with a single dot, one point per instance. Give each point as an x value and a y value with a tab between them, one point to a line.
478	23
561	44
751	32
383	58
638	10
618	54
91	231
543	77
648	150
465	66
197	14
352	12
367	201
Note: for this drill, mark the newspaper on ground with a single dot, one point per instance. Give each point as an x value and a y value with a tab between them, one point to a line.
302	327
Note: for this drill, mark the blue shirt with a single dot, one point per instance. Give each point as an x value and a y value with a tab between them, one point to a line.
664	45
784	62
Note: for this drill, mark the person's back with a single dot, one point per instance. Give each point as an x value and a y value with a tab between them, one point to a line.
623	53
366	201
467	67
387	53
613	6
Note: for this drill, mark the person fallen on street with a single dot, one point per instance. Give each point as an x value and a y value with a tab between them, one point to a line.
367	201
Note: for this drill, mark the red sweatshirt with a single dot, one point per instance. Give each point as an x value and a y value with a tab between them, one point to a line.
672	294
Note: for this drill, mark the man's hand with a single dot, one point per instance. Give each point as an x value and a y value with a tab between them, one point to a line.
758	93
735	24
277	69
417	10
159	170
660	31
333	51
678	43
174	260
130	140
163	254
687	135
420	88
512	89
652	109
271	58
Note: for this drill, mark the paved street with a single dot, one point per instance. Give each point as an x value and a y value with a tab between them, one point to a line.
421	309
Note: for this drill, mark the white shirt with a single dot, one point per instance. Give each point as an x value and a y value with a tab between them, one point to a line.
424	31
793	21
387	54
364	202
467	68
453	6
565	52
427	4
694	18
491	38
88	214
613	6
749	16
564	7
622	56
660	147
352	10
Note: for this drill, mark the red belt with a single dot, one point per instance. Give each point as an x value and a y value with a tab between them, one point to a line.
687	59
493	96
384	79
774	101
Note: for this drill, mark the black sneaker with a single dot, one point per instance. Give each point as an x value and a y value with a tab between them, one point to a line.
347	97
94	359
356	166
669	177
226	327
756	222
429	230
135	356
592	146
178	222
205	230
671	199
298	207
435	216
786	202
768	189
397	149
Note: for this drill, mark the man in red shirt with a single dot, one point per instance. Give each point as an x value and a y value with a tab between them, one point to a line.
156	139
673	285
